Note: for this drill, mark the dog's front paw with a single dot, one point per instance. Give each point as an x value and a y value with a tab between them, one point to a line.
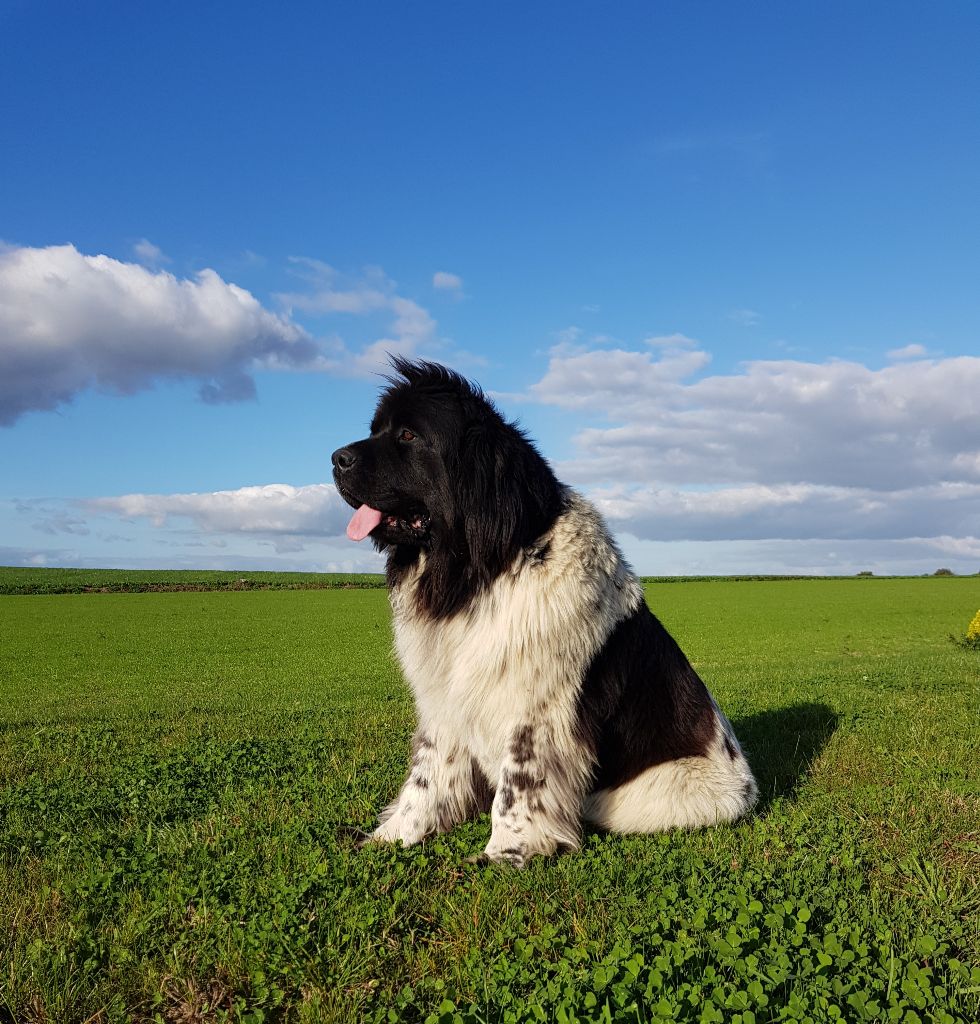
517	851
516	855
398	829
512	857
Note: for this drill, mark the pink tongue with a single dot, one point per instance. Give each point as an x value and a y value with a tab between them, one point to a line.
364	520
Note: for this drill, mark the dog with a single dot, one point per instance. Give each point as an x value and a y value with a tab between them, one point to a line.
546	690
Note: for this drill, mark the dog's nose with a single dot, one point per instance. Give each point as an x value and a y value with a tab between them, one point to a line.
343	459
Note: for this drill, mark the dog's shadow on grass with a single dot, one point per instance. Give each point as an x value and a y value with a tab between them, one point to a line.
782	744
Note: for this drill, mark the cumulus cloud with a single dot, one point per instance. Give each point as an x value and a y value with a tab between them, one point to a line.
605	379
779	449
315	510
835	424
70	322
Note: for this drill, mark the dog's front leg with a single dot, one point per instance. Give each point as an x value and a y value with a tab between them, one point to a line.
443	788
538	803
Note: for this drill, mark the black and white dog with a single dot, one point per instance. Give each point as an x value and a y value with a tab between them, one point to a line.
546	690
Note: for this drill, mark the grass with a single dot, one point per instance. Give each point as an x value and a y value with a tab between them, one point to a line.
19	581
14	580
176	771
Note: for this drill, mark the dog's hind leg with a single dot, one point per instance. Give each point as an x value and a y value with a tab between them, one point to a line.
537	805
689	792
444	787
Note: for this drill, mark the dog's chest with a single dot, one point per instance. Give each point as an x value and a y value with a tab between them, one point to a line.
517	655
480	673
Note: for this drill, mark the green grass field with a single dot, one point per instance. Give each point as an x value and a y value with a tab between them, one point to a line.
176	770
14	580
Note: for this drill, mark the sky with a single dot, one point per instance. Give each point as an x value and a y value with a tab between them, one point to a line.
722	261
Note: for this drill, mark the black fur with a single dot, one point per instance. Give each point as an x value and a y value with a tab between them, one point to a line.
485	489
489	495
642	703
452	478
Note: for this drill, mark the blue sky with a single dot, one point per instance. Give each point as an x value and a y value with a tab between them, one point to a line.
722	260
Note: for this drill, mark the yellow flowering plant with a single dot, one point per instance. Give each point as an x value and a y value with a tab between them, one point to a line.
972	638
973	631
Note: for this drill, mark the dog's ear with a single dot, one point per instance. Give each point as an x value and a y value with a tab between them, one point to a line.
487	504
508	494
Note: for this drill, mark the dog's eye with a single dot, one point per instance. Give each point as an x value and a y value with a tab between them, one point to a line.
406	435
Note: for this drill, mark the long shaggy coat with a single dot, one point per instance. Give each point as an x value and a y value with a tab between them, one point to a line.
546	690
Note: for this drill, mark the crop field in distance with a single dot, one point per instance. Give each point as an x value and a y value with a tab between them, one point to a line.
179	765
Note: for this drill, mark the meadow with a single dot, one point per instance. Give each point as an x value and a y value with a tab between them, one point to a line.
15	580
178	771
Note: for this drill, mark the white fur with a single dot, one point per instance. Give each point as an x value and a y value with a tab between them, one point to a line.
497	686
687	793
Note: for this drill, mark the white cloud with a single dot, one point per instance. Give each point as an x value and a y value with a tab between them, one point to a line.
408	329
567	340
69	322
605	379
330	292
148	254
191	554
315	510
908	352
910	556
779	449
61	522
792	511
835	424
442	280
267	526
788	528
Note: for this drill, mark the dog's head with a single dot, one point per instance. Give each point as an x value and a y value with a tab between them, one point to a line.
398	478
443	471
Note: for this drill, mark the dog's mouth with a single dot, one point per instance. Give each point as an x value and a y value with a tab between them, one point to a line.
368	521
417	523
